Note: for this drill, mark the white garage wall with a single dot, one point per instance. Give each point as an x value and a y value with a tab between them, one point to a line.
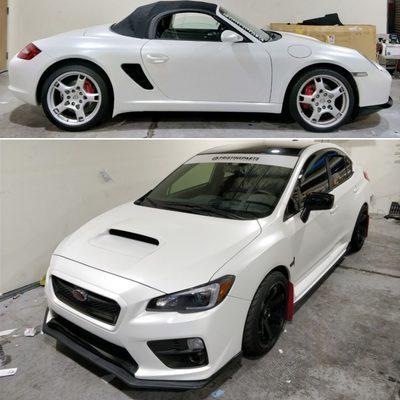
34	19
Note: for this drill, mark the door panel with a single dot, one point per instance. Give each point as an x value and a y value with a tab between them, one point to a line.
3	34
311	241
314	240
343	211
209	71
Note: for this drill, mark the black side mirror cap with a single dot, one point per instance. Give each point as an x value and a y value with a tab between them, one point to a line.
316	202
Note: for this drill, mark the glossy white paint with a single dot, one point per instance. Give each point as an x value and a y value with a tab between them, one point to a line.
193	250
248	76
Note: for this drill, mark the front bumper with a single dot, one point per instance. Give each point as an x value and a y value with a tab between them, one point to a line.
93	351
374	109
375	88
135	327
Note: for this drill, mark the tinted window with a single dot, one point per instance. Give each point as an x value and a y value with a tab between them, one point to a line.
199	175
313	178
189	26
341	169
230	190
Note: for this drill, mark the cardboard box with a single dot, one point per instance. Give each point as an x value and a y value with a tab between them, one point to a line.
358	37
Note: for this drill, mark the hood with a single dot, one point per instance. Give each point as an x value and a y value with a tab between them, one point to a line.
166	250
298	39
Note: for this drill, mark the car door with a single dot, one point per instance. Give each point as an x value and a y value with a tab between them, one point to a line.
311	241
188	62
344	188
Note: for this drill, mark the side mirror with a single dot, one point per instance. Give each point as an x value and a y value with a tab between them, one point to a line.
316	202
231	37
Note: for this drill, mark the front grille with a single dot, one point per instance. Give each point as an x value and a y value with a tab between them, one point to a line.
93	305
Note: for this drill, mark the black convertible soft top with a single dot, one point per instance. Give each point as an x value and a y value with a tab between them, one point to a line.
139	22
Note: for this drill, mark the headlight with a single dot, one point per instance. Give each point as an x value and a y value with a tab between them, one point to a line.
197	299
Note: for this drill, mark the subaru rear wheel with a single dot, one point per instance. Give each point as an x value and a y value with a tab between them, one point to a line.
75	98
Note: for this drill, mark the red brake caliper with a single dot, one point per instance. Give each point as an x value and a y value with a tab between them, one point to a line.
88	87
308	91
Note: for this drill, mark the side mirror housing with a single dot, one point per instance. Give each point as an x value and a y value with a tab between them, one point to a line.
231	37
316	202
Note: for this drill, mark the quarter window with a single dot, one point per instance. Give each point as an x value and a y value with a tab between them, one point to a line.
190	26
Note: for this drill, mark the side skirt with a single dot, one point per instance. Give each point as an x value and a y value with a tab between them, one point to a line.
314	288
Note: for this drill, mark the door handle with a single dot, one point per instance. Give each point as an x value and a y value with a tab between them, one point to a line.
157	58
333	210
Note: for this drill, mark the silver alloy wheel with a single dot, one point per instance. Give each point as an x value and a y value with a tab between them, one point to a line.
327	104
74	98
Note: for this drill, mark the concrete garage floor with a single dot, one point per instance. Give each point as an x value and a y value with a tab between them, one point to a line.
18	120
343	343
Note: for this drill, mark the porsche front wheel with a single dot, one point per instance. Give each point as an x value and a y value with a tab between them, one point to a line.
75	98
321	100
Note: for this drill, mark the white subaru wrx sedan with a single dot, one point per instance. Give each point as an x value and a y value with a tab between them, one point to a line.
194	56
165	291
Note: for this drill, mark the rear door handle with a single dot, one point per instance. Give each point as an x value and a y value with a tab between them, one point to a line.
157	58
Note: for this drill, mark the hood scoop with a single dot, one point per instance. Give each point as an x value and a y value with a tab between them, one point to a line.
136	246
134	236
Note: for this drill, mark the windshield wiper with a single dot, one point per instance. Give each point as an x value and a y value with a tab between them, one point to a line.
219	212
195	209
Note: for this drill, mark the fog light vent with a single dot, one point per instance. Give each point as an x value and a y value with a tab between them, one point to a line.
180	353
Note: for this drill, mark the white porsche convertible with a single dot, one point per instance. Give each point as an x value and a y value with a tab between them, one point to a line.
194	56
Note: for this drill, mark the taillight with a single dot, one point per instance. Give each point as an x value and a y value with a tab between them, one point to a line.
366	176
29	52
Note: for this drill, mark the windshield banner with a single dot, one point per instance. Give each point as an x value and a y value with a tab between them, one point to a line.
264	159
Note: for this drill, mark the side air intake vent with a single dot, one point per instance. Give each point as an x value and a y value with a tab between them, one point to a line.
136	73
134	236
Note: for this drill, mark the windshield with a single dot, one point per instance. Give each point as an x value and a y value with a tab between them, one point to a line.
253	30
226	190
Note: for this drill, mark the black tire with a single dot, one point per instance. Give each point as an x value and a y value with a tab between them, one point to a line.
257	343
299	84
360	231
104	111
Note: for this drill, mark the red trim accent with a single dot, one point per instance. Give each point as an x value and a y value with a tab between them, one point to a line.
308	91
88	87
290	304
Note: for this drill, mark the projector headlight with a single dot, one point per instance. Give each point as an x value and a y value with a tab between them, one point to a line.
197	299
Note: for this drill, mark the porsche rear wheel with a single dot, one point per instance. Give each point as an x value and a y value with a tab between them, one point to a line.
322	100
75	98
